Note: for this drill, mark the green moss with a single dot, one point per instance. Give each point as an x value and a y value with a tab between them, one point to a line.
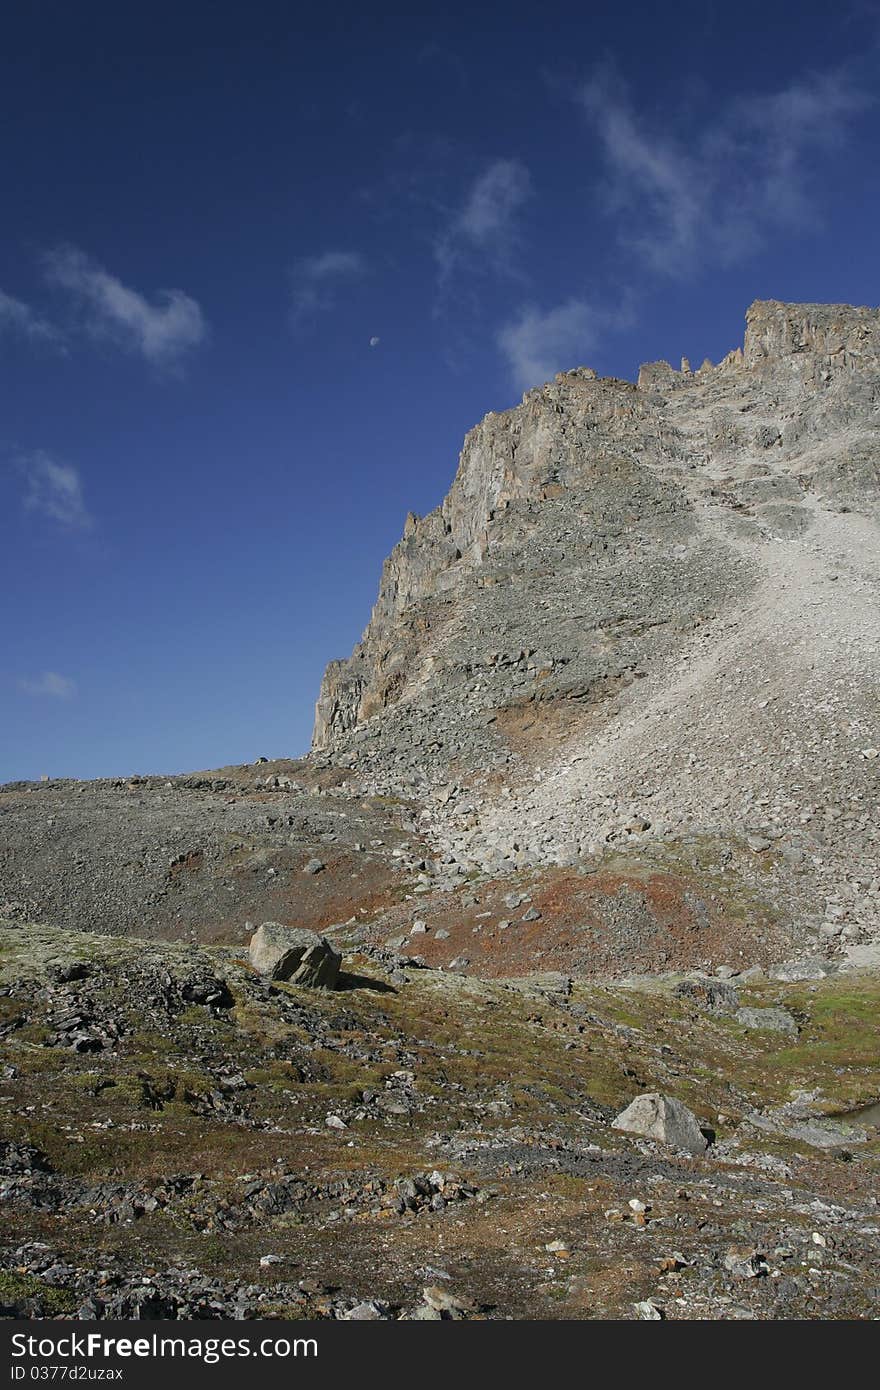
14	1287
35	1033
276	1076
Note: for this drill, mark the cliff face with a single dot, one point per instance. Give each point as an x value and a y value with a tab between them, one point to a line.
546	488
817	341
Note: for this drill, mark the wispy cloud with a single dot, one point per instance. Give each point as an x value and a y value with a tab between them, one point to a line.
54	490
714	196
483	233
50	684
20	319
161	332
316	281
538	344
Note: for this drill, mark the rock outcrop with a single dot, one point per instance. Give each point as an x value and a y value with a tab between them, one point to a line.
797	405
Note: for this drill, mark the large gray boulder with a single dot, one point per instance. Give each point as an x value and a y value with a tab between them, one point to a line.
665	1119
295	954
795	971
768	1020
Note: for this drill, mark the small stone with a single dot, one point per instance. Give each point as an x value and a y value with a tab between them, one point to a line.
442	1301
757	843
648	1312
746	1265
795	971
335	1122
314	866
370	1311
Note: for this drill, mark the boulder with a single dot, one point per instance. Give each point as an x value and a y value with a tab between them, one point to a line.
715	995
665	1119
768	1020
795	971
295	954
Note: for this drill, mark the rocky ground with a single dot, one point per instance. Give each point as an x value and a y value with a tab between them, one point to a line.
197	857
183	1138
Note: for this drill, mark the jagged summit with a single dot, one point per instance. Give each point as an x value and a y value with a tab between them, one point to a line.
815	339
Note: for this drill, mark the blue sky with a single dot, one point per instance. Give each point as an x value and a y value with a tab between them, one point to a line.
263	266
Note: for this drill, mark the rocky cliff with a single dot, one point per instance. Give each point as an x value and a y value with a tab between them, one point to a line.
583	461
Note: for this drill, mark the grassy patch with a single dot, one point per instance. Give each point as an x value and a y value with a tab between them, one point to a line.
15	1287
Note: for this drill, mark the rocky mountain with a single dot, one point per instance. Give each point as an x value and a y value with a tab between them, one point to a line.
647	613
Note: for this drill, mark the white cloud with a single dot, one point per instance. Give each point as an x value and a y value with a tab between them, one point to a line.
539	344
19	318
315	281
54	490
375	341
484	228
49	684
493	199
161	332
713	196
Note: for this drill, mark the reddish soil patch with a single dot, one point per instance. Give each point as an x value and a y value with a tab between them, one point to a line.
349	885
186	863
601	924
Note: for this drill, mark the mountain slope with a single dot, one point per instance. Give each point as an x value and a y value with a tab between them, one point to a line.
646	613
